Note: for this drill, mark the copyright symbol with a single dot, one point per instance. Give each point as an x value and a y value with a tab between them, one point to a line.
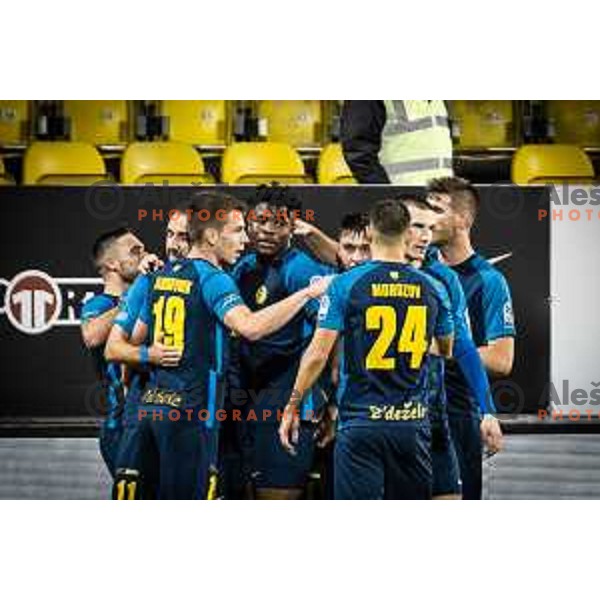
104	200
505	202
94	401
509	398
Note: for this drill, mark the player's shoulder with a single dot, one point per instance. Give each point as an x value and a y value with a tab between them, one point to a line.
246	262
489	273
349	278
98	304
297	259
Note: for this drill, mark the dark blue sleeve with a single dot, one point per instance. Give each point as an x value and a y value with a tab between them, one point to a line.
221	293
498	319
300	272
469	362
134	304
332	306
96	307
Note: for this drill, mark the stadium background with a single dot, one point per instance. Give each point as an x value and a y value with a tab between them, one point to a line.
51	228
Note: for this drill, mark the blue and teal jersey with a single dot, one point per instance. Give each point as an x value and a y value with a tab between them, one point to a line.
490	313
185	306
387	314
109	374
465	352
273	361
130	309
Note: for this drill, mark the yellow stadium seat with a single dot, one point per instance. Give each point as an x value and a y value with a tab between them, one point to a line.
262	162
551	163
483	123
98	122
156	162
295	122
198	122
332	168
63	163
575	122
14	122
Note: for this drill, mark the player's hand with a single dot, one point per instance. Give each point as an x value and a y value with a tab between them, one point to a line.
149	264
325	433
289	429
302	228
491	434
319	286
163	356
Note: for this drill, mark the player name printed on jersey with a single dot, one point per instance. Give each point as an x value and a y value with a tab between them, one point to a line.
395	290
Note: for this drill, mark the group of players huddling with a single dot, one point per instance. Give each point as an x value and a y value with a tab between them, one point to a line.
261	355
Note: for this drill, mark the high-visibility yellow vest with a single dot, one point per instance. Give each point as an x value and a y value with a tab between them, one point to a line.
416	145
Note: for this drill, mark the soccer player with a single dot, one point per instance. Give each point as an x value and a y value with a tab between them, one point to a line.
116	255
270	272
189	307
389	316
352	248
490	316
446	479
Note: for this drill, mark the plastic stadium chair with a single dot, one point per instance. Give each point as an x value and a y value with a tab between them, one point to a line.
98	122
262	162
156	162
295	122
14	122
63	163
551	163
483	123
332	167
575	122
198	122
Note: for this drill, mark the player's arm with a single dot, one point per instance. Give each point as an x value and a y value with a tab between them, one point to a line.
120	348
95	330
498	353
443	332
256	325
498	356
312	364
317	241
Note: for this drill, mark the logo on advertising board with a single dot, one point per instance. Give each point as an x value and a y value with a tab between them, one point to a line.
34	302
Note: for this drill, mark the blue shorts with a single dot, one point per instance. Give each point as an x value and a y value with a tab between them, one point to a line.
173	457
272	466
111	433
383	461
466	437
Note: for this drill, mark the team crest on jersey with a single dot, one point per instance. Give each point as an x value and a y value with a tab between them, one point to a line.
394	275
261	295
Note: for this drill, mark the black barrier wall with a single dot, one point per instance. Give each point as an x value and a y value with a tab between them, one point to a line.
45	268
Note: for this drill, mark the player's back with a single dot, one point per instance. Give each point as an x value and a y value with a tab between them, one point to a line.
178	314
389	315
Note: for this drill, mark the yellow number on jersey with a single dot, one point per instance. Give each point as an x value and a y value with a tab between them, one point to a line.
169	321
412	337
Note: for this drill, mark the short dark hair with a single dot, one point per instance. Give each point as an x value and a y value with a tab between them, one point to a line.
212	202
463	194
104	242
389	218
418	201
277	196
356	222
